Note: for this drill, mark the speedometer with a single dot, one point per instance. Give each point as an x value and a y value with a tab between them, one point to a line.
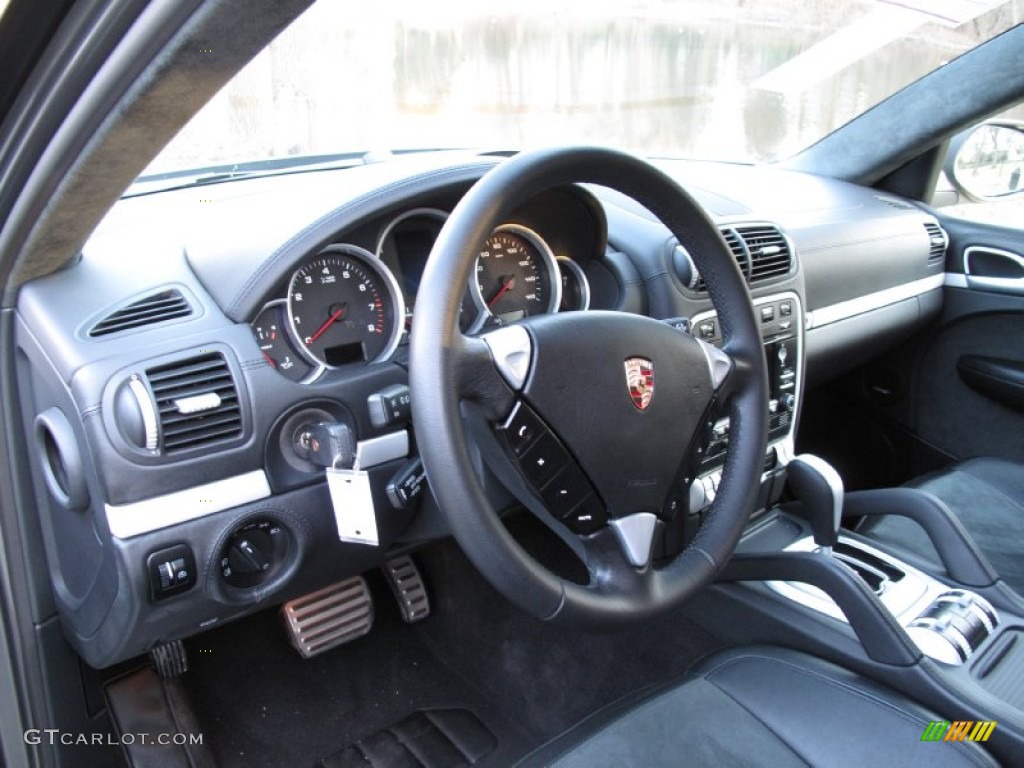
516	275
344	307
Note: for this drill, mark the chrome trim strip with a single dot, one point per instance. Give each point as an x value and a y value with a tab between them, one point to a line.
127	520
380	450
872	301
955	280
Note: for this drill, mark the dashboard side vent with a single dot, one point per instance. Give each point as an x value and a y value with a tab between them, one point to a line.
770	255
155	308
937	242
197	402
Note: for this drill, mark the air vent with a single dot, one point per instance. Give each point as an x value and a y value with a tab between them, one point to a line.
739	253
153	309
760	250
769	251
892	202
937	242
197	402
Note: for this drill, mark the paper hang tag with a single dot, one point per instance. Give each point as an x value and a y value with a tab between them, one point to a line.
352	499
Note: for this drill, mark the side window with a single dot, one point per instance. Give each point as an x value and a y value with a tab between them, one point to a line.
983	177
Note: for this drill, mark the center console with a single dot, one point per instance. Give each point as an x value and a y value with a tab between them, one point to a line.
947	624
781	321
948	634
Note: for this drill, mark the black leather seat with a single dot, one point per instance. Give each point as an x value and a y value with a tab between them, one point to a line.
759	706
988	496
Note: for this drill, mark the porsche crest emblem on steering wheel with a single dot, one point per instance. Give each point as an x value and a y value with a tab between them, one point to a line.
640	381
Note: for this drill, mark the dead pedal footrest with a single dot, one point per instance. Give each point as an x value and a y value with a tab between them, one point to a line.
329	617
406	582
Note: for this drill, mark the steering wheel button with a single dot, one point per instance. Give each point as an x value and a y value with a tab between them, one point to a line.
544	459
566	491
522	429
588	517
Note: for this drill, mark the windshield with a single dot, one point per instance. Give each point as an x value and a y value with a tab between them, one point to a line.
714	79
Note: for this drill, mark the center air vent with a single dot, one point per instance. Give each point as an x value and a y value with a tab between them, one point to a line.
937	242
769	251
196	402
761	251
155	308
739	252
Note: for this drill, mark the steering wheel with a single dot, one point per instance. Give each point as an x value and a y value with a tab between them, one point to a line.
587	417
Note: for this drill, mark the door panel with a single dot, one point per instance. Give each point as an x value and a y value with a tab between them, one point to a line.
969	382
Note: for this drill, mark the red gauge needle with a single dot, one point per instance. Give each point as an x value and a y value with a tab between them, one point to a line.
330	321
506	286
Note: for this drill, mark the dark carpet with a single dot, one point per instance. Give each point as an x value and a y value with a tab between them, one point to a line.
260	704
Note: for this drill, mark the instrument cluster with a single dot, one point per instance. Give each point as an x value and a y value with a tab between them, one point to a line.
347	305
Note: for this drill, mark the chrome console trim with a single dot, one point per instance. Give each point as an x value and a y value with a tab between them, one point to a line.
916	601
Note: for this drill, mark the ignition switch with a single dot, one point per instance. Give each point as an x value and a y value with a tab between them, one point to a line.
326	444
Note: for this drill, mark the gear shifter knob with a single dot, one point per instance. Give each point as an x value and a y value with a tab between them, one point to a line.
820	488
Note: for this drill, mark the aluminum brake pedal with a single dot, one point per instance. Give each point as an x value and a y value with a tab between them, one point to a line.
329	617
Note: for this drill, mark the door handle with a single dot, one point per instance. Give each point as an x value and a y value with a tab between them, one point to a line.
992	269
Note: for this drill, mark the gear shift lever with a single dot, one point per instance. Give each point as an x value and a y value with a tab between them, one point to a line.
820	488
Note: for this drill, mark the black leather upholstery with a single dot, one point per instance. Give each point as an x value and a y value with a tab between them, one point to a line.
759	706
987	495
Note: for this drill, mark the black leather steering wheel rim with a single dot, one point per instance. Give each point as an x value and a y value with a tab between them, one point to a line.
441	359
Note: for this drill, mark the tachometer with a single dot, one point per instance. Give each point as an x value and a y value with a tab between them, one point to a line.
516	275
344	306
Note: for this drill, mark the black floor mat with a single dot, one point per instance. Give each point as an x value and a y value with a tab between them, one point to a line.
260	704
433	738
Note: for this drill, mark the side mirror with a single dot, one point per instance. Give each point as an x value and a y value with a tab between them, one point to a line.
987	162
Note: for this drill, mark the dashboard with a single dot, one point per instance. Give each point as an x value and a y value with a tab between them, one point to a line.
184	380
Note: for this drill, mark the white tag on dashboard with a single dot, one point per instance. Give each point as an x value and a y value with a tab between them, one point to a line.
352	499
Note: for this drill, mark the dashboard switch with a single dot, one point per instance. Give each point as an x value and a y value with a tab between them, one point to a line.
390	407
171	571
